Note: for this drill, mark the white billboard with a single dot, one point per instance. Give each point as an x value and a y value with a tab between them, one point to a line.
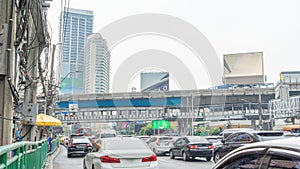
244	68
155	81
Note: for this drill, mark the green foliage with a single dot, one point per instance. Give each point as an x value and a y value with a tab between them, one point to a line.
204	131
146	130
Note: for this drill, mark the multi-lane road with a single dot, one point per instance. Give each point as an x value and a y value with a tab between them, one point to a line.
62	162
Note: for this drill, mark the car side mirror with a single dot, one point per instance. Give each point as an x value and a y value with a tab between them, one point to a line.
223	141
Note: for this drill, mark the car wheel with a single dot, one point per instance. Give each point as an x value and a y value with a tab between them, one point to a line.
217	157
185	156
172	155
208	158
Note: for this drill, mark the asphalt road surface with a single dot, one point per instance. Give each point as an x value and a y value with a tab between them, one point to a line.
62	162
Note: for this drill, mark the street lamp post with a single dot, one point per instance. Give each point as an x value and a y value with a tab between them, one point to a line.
49	101
77	71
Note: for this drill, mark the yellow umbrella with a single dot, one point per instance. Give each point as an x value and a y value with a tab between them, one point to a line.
46	120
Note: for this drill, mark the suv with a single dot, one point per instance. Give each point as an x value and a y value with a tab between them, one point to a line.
160	144
232	142
79	146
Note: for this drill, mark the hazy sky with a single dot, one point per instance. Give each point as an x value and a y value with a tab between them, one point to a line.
231	26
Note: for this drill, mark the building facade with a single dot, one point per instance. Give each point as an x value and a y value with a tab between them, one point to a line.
289	85
75	26
97	65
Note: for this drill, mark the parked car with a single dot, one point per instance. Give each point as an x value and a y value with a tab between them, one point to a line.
232	142
190	147
79	147
284	153
160	145
121	152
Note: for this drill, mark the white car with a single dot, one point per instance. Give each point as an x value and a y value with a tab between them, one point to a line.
121	152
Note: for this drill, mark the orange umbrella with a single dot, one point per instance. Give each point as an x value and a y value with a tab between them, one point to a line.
46	120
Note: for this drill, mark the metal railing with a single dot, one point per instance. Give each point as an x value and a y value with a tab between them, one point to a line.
24	155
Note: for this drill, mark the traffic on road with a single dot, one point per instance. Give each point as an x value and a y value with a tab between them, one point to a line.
175	152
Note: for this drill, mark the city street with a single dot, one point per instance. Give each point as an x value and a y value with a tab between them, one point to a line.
62	162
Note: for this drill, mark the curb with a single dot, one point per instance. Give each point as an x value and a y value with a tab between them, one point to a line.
50	157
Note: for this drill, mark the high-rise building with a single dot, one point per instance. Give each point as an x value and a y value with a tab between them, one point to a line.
75	26
97	65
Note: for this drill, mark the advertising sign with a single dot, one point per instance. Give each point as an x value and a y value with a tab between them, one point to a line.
244	68
155	81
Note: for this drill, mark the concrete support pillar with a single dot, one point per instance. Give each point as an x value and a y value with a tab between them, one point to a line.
6	101
253	123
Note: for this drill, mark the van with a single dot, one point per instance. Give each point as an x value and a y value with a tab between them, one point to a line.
107	134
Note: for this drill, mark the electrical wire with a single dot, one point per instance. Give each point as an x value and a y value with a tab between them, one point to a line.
1	117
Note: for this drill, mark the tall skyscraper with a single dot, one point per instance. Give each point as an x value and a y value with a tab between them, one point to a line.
97	65
75	26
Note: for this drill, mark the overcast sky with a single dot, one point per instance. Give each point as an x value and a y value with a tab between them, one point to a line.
231	26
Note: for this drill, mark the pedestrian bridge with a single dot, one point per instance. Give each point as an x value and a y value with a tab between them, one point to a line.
210	104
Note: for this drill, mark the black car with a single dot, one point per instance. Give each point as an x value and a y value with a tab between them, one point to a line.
190	147
232	142
283	153
79	147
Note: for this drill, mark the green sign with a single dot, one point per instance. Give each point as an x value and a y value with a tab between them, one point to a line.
160	124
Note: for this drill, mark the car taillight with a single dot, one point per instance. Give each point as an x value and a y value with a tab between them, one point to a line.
107	159
88	145
211	146
149	159
158	142
192	147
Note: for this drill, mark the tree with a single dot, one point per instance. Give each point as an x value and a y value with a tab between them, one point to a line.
146	130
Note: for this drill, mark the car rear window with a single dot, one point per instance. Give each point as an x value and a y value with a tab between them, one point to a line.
165	138
271	134
108	135
212	140
124	144
81	141
197	139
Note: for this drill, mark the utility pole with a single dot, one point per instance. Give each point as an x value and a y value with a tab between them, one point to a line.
6	65
49	98
30	107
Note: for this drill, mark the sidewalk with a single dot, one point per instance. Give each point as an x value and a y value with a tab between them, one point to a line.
50	158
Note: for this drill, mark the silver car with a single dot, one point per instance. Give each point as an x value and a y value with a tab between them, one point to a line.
121	152
160	145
